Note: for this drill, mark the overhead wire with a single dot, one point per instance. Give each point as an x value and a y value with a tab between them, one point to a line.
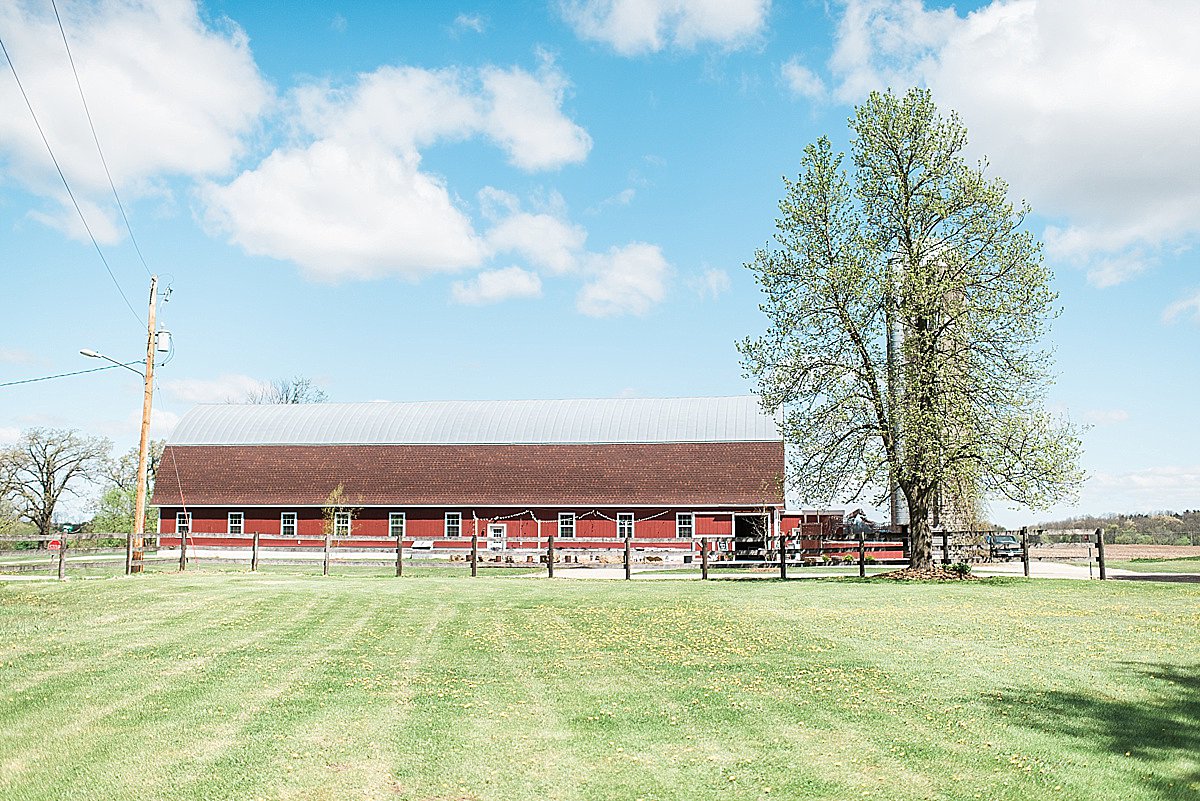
65	375
96	139
67	185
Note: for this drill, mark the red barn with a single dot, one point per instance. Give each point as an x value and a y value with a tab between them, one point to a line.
438	472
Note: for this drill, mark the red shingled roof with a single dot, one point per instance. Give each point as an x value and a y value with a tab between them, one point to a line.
692	474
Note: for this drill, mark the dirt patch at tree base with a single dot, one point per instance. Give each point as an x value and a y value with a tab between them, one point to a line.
935	573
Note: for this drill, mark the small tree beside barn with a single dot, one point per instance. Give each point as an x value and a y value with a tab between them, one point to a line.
338	513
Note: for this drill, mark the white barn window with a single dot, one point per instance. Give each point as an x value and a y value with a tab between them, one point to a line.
183	522
236	522
396	524
453	524
685	524
341	524
287	524
566	524
624	525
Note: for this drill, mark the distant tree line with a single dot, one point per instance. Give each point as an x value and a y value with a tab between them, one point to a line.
46	466
1153	528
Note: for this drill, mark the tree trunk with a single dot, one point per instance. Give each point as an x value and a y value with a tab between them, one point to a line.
919	529
45	529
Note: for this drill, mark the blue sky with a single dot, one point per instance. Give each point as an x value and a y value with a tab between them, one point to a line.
494	200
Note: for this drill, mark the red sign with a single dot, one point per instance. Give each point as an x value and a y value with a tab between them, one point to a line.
54	545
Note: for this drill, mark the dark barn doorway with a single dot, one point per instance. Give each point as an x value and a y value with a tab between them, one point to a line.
750	538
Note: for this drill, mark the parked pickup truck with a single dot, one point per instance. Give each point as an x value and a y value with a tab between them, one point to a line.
1004	547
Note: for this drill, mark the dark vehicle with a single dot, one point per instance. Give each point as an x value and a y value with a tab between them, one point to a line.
1003	547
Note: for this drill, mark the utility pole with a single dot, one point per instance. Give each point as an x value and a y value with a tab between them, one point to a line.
133	550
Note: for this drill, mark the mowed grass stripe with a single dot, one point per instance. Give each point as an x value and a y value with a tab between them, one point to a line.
240	686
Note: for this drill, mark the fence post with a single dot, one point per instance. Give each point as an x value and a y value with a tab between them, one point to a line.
399	554
129	555
1100	552
782	557
474	555
325	562
62	558
628	556
254	555
862	554
183	552
550	555
704	560
905	543
1025	549
945	547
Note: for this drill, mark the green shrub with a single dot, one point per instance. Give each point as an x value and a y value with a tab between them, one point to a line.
961	568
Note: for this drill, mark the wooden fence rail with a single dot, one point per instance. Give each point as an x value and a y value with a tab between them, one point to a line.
781	551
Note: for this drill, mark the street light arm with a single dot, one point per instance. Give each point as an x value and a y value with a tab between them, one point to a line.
94	355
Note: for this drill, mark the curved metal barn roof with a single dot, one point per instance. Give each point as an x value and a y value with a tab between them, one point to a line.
608	420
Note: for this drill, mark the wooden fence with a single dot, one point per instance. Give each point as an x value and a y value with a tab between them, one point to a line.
56	553
709	551
476	552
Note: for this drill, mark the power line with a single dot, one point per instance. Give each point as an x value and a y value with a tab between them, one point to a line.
71	194
66	375
96	139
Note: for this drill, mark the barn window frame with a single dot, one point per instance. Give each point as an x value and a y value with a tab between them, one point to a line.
183	522
453	524
289	520
625	522
397	522
341	524
566	524
235	523
685	525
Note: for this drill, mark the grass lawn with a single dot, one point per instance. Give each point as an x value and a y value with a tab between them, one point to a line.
1187	564
213	685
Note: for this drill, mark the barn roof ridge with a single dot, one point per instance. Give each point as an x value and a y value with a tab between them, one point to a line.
736	418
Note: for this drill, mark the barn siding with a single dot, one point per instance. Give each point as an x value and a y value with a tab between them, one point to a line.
429	523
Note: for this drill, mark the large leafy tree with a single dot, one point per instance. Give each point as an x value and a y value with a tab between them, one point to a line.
907	306
44	465
115	509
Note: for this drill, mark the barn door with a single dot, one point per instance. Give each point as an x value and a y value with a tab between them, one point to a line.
497	536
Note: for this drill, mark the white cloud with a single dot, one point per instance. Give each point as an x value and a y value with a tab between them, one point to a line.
493	286
524	115
178	102
469	22
632	27
223	389
547	241
627	280
1105	417
1152	489
1089	109
802	81
355	203
162	423
1183	307
9	435
15	356
340	212
101	219
710	284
